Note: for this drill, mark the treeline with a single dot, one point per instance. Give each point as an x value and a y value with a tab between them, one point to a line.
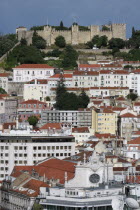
32	54
69	101
6	43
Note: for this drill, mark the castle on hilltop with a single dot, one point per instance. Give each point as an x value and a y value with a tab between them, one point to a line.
74	35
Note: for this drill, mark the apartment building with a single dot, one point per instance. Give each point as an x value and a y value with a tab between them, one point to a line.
36	89
89	67
104	121
132	148
31	107
4	78
114	78
108	91
129	122
136	107
85	79
20	147
28	72
8	107
134	81
79	118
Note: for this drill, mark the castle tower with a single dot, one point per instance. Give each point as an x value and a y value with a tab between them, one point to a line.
119	31
21	33
94	30
75	34
47	34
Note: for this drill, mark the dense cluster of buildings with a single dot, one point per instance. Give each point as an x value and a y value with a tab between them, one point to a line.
73	159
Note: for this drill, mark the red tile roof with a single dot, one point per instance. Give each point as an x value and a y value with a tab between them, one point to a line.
51	126
89	65
52	169
110	88
4	74
39	81
136	103
134	141
80	130
128	115
6	125
87	73
121	98
64	75
34	66
104	135
33	102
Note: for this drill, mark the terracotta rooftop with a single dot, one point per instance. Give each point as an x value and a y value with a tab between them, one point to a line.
80	130
4	74
134	141
39	81
51	126
33	102
87	73
109	88
89	65
104	135
64	76
128	115
33	66
50	168
6	125
121	98
136	103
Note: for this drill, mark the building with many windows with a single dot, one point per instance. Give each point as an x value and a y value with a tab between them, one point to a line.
20	147
28	72
81	117
104	121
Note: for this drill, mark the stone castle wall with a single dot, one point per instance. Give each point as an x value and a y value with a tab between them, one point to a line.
74	36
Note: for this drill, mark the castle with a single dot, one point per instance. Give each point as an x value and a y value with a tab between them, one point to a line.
74	36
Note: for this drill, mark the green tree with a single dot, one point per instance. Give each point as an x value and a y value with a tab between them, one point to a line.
116	43
38	41
60	91
48	98
23	42
61	25
60	41
105	28
69	101
54	53
70	57
33	120
83	99
37	206
98	41
133	32
2	91
23	54
132	96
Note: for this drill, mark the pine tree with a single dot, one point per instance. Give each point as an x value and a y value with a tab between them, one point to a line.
61	25
133	32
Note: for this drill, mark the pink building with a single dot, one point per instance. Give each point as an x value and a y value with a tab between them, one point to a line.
31	107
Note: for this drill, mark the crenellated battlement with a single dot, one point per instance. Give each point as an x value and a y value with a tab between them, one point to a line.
74	35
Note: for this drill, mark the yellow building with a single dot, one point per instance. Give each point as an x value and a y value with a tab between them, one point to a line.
104	121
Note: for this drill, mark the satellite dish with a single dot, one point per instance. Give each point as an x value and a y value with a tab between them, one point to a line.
132	203
117	203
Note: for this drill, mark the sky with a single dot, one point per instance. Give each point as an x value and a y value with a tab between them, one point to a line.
28	13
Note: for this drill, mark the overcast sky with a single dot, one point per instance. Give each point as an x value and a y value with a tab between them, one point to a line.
14	13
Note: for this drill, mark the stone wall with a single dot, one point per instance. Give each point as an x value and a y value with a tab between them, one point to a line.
74	36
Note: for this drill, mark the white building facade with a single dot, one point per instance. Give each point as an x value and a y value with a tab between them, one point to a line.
27	148
28	72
